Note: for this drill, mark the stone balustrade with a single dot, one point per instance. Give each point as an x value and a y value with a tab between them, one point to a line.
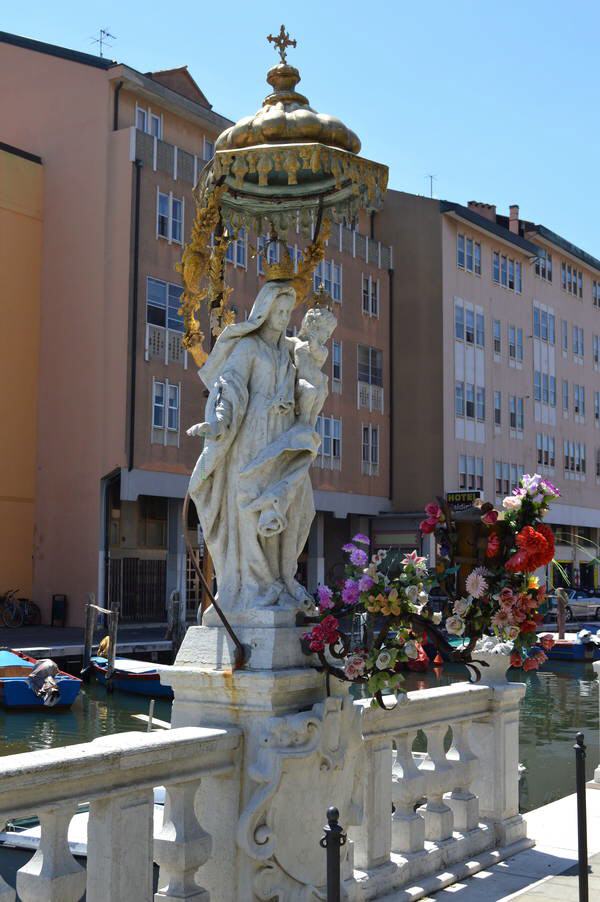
441	783
116	774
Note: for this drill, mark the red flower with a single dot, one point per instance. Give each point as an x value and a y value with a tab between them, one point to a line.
516	660
324	633
493	545
535	549
427	526
530	664
490	517
528	626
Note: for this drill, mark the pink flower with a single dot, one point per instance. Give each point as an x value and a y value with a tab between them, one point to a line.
414	559
361	539
359	557
427	526
476	584
350	592
433	510
501	619
490	517
325	597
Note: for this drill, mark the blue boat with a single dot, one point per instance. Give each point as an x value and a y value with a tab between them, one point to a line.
138	677
16	690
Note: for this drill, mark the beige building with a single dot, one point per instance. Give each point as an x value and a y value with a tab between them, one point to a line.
121	153
496	366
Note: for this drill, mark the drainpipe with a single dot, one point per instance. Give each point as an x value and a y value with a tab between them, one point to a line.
372	225
116	106
391	355
134	314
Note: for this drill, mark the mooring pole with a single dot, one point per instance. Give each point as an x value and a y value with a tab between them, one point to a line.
113	626
581	817
150	715
91	613
332	842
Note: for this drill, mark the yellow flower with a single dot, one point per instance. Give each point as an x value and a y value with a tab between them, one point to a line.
393	596
533	582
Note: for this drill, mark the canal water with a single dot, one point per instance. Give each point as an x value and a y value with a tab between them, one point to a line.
561	699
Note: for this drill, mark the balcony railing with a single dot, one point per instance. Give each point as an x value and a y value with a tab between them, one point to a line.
116	775
164	345
370	396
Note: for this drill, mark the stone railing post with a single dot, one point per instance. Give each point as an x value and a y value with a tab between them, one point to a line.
120	837
408	826
464	804
182	845
373	838
495	740
437	815
52	874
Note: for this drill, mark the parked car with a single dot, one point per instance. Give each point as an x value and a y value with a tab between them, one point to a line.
583	603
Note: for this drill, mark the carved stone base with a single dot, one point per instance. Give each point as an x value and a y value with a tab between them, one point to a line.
269	645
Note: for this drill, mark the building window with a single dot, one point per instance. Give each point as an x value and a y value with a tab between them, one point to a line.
596	349
480	403
469	326
336	361
169	217
571	280
578	349
459	321
543	265
498	408
479	330
330	450
152	522
579	400
468	254
537	385
173	409
574	456
520	414
470	401
597	406
163	300
545	450
156	125
370	450
497	332
208	150
512	411
596	293
565	395
552	391
462	471
507	272
336	282
459	399
141	119
158	405
236	252
370	296
370	365
565	336
470	472
515	343
496	266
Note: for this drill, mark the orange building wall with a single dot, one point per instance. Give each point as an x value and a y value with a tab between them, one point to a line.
21	190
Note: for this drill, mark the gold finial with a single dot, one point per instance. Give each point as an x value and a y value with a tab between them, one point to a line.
282	42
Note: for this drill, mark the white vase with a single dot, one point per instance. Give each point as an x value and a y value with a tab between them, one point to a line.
495	673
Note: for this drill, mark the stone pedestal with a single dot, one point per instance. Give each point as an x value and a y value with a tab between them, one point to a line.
302	753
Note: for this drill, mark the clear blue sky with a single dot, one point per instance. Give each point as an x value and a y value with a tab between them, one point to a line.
498	99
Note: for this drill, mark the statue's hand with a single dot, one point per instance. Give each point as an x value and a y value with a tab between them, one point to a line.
214	431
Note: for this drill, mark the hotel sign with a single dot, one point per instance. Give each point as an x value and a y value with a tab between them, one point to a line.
461	501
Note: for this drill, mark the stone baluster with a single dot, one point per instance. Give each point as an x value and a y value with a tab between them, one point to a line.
7	893
373	838
120	833
438	816
408	826
182	845
52	874
463	803
495	740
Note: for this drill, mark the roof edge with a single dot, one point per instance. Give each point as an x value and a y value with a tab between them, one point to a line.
73	56
18	152
528	247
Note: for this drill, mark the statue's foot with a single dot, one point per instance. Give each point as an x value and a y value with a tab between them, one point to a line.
271	596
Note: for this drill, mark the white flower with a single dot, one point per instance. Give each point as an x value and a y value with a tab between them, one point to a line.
412	593
383	661
455	625
354	666
461	606
437	618
512	632
410	649
511	503
476	583
493	645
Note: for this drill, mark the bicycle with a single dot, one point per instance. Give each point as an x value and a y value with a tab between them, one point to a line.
16	612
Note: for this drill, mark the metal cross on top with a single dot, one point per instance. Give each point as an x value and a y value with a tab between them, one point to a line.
282	42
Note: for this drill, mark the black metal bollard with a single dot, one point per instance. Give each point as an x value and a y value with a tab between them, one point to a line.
333	840
581	817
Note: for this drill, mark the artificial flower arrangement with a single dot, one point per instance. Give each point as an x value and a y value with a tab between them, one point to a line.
370	627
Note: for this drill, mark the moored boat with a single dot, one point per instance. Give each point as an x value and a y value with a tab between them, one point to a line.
138	677
17	690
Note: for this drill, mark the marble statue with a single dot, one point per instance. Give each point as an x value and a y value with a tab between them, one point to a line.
251	484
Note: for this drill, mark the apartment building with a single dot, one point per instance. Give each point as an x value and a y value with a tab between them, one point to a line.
496	366
21	215
121	152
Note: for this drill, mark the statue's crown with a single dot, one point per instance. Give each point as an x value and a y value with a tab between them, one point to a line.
283	269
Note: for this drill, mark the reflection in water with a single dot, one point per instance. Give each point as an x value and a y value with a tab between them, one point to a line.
561	699
93	714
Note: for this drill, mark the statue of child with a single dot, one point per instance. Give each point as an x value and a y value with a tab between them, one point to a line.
310	353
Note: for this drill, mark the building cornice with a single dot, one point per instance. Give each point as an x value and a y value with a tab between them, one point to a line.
457	211
72	56
568	249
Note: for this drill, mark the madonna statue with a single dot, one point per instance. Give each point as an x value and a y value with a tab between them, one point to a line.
251	484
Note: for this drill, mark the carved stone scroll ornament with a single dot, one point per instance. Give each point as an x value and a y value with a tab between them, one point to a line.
302	763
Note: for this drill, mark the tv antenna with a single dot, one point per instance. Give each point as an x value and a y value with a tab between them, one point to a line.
101	41
432	179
